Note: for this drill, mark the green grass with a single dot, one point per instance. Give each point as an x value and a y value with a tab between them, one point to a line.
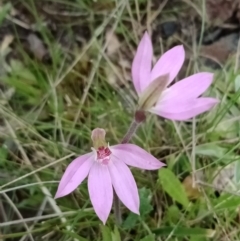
48	121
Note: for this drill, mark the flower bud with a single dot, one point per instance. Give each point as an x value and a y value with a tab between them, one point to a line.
151	94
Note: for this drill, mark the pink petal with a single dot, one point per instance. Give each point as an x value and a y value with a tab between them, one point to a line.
183	110
188	88
124	184
142	64
75	173
135	156
169	63
100	190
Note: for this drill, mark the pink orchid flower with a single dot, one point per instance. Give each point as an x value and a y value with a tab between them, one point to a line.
106	168
180	101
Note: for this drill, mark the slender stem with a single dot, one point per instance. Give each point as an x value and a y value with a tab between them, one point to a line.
139	117
117	210
131	131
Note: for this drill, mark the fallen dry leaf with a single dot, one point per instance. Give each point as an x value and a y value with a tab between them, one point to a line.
219	11
222	49
112	41
192	191
7	40
36	46
4	51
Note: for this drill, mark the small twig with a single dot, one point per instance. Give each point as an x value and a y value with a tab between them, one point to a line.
18	22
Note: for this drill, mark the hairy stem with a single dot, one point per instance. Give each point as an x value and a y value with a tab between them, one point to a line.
131	131
139	117
117	210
